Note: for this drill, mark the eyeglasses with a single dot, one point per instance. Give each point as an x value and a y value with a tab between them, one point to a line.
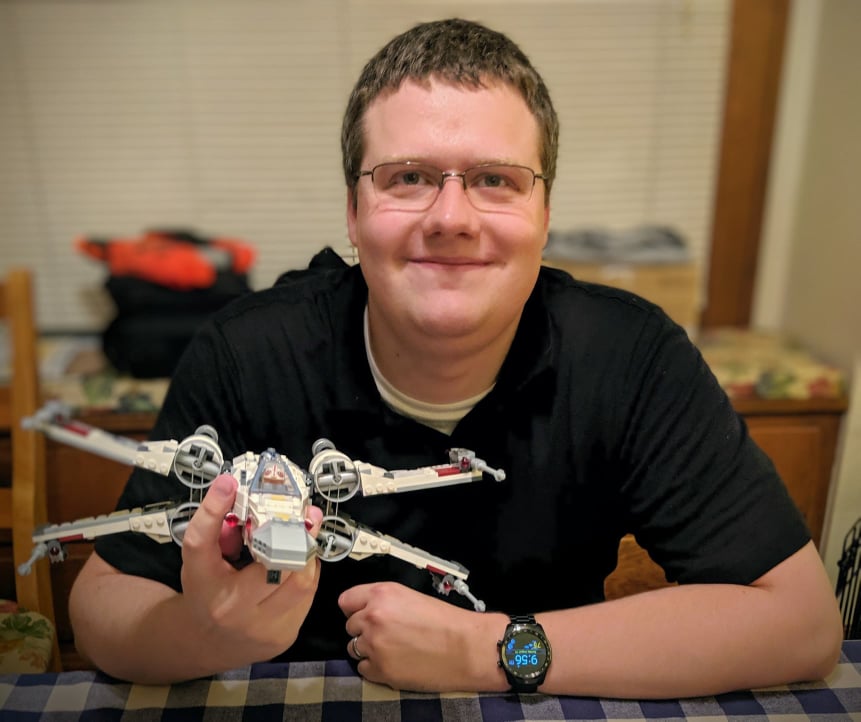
415	186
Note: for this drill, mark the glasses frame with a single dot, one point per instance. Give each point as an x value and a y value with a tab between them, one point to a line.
446	175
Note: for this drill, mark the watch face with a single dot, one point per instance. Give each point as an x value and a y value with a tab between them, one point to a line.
525	654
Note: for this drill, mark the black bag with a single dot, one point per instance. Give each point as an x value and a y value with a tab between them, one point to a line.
154	324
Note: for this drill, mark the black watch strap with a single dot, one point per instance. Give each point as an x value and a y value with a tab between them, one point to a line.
522	619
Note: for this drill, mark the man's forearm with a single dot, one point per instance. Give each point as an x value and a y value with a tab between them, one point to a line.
136	629
682	642
693	640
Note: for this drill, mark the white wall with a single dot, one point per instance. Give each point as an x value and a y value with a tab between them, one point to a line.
809	281
224	117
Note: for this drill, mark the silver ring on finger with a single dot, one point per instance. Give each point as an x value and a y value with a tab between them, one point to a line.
354	645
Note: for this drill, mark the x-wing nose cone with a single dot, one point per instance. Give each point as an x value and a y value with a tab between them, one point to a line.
284	545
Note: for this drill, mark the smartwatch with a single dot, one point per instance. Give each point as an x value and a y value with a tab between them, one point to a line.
524	653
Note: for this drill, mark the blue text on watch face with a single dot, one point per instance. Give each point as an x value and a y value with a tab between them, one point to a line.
525	653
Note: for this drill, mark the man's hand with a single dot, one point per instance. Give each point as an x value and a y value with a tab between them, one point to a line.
409	640
255	619
142	630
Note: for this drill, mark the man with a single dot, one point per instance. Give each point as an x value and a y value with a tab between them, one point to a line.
449	334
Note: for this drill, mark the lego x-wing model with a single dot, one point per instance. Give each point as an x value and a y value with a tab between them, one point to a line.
272	495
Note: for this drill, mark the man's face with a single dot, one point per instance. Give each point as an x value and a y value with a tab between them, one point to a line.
450	271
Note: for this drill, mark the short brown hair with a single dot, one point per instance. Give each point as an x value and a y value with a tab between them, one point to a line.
458	51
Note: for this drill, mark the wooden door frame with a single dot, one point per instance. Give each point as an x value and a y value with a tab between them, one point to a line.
757	38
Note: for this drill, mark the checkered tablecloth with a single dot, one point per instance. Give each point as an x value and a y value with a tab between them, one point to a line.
332	691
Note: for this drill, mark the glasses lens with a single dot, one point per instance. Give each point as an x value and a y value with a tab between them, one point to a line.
490	186
407	184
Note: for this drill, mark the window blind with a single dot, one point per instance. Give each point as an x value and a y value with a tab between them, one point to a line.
224	117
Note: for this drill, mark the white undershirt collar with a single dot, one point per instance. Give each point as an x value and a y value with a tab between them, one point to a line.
442	417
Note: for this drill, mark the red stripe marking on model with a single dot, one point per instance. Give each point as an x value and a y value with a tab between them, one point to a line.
448	471
81	429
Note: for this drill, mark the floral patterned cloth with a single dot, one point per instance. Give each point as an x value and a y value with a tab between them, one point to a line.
768	365
26	639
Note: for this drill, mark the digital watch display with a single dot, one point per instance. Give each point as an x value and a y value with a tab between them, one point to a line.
524	653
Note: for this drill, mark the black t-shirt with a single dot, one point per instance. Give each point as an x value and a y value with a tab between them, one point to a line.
604	417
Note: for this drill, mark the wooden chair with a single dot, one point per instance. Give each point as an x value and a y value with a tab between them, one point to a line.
23	628
849	582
